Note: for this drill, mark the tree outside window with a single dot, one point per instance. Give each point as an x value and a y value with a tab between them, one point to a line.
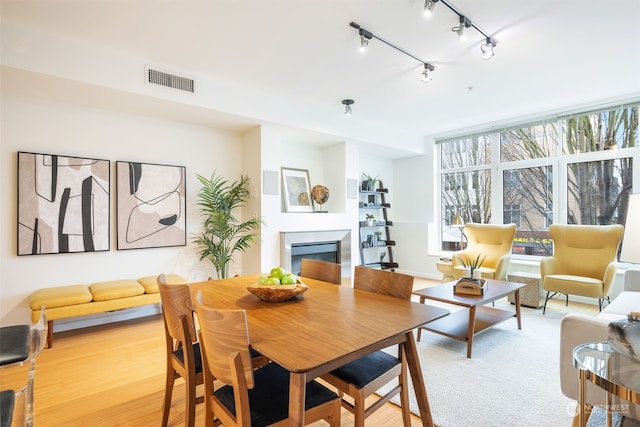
597	191
534	200
511	214
466	183
527	143
591	155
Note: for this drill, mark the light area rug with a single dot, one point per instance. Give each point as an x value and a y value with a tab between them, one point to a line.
598	418
511	380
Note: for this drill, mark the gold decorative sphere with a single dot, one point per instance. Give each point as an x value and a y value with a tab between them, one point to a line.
320	194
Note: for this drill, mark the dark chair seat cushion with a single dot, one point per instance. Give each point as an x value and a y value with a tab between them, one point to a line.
196	355
269	398
15	343
7	400
362	371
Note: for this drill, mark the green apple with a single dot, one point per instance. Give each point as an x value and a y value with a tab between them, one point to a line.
277	272
272	281
262	279
289	279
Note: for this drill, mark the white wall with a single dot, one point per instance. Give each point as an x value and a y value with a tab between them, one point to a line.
33	124
61	96
47	127
375	165
329	165
414	189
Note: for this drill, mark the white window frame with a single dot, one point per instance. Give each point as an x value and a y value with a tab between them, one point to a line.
559	165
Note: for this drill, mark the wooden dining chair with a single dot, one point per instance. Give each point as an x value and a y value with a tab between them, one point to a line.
321	270
250	397
363	377
182	348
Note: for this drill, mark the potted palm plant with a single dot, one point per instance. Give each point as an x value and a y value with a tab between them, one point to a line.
223	234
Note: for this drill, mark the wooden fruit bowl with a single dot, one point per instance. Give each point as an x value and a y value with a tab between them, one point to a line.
278	293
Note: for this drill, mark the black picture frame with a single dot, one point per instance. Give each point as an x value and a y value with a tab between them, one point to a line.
150	205
63	204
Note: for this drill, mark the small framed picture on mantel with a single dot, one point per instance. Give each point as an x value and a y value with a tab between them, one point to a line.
296	190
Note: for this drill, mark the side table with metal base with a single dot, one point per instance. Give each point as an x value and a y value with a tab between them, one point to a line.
609	370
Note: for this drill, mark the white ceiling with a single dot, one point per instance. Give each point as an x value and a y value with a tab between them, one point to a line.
301	56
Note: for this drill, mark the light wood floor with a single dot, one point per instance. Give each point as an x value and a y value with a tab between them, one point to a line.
113	375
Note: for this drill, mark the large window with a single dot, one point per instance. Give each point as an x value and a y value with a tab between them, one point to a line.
597	187
533	198
595	190
466	183
571	170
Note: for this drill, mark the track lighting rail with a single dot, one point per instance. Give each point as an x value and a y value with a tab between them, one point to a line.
466	18
368	35
463	22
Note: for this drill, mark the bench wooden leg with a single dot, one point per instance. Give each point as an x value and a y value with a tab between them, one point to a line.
49	333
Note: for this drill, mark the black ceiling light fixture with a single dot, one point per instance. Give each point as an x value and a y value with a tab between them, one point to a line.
463	22
365	36
347	106
369	35
427	76
487	48
459	30
429	5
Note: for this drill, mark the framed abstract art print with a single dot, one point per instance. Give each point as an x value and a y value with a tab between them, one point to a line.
151	204
63	204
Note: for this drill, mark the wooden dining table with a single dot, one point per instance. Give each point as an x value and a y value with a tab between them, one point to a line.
324	328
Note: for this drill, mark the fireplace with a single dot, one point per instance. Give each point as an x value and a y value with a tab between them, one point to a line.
329	245
322	251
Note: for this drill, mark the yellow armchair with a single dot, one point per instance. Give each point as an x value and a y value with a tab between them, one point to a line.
583	261
491	240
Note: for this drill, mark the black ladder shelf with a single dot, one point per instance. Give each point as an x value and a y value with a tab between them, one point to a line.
376	251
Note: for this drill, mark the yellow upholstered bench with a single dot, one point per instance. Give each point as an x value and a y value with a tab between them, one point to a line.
62	302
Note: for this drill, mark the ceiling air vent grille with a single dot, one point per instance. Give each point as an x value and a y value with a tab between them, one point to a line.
170	80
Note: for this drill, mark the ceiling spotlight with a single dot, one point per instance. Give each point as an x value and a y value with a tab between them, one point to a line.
365	36
427	74
428	7
487	48
347	106
464	23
